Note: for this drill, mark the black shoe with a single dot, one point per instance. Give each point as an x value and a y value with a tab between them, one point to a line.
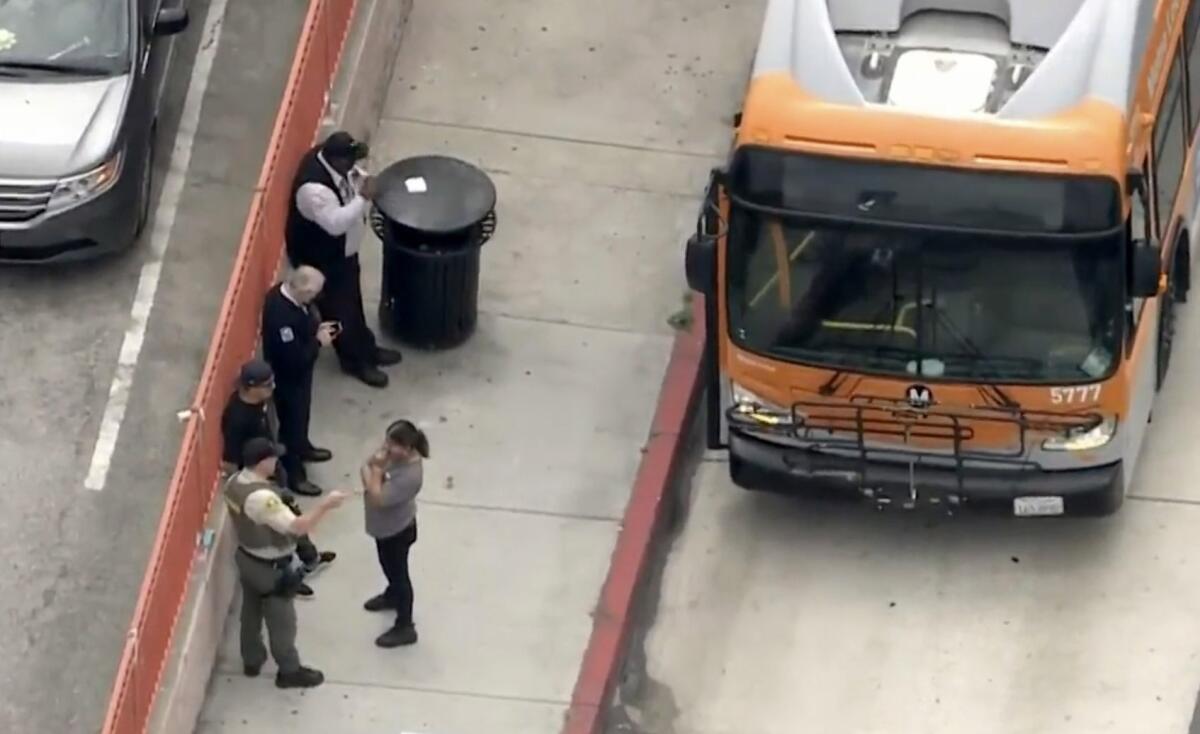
387	357
252	671
398	636
372	376
300	678
378	603
315	455
307	488
304	591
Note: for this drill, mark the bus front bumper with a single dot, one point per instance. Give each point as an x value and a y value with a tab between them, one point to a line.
761	465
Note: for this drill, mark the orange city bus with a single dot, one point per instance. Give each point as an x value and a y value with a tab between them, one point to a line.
942	262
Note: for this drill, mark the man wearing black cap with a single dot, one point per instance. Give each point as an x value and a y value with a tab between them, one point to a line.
269	571
326	214
250	413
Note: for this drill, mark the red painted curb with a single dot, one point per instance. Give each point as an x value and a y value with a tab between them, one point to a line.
611	623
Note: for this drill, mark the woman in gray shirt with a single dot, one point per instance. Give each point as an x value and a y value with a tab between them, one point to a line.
391	480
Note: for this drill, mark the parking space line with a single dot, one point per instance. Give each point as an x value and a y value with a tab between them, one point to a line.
162	222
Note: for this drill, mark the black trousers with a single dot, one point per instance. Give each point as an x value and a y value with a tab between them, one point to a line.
393	558
341	300
289	476
293	403
306	550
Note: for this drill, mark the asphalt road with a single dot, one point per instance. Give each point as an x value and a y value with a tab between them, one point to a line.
73	558
778	615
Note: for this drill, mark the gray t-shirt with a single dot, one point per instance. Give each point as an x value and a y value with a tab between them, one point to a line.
401	483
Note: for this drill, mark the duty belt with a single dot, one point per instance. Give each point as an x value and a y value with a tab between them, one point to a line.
281	562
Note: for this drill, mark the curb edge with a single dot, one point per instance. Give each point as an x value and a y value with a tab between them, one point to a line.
640	526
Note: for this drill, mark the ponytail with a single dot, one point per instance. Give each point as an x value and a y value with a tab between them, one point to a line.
404	433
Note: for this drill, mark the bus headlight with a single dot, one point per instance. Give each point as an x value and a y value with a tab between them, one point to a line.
78	189
751	408
1084	440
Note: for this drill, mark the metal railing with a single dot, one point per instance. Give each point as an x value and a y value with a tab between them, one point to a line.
235	338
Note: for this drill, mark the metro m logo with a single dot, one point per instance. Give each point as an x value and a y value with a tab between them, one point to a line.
919	396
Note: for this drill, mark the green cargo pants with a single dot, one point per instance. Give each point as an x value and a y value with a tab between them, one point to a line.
261	602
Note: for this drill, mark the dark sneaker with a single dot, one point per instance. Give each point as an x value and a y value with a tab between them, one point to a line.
398	637
307	488
300	678
387	357
251	671
304	591
378	603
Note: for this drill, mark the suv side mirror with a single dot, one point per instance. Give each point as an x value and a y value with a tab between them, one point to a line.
170	21
1146	271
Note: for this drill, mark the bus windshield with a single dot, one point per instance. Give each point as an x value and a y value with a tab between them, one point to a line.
909	301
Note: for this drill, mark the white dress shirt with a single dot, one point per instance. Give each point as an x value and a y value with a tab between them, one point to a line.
317	203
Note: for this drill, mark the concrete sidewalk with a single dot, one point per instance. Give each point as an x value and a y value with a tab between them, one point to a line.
598	124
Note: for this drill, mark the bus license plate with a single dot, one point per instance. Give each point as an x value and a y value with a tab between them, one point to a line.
1037	506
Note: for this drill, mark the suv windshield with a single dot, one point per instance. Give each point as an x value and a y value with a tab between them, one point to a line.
83	36
989	308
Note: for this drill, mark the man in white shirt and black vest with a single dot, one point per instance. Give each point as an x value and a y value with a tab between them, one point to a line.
326	214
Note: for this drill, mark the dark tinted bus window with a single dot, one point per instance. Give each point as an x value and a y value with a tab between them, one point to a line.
914	194
1170	147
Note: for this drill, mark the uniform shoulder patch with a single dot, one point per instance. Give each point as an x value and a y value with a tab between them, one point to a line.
273	503
286	335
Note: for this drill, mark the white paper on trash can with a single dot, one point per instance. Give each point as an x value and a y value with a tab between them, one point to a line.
416	185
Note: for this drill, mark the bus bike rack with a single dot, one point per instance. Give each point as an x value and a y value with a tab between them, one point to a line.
842	428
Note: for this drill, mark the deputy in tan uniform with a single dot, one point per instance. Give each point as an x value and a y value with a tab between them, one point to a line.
267	564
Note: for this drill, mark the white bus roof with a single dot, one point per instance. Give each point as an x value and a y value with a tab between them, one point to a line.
1018	59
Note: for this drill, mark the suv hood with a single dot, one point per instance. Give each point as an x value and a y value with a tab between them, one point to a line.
50	129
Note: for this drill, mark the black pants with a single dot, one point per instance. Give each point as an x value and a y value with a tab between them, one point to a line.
293	403
306	550
289	476
393	558
341	300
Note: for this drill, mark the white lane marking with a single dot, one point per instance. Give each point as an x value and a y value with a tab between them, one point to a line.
163	221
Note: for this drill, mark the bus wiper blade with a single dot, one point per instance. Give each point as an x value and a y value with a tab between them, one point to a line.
988	392
52	66
831	385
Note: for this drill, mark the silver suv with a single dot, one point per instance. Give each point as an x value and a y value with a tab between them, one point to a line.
80	82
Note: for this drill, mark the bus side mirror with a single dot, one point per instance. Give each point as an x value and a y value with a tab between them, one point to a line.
700	262
700	255
1147	269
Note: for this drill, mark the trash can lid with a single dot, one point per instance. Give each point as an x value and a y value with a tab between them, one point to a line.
435	194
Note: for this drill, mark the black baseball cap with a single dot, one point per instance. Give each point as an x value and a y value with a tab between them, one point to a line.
256	373
342	144
259	449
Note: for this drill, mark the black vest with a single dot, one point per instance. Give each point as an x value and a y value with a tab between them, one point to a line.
307	243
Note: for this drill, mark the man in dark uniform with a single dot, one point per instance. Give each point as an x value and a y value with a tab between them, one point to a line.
266	532
250	414
292	338
326	213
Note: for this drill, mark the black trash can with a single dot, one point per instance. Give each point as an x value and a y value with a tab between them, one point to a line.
433	214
